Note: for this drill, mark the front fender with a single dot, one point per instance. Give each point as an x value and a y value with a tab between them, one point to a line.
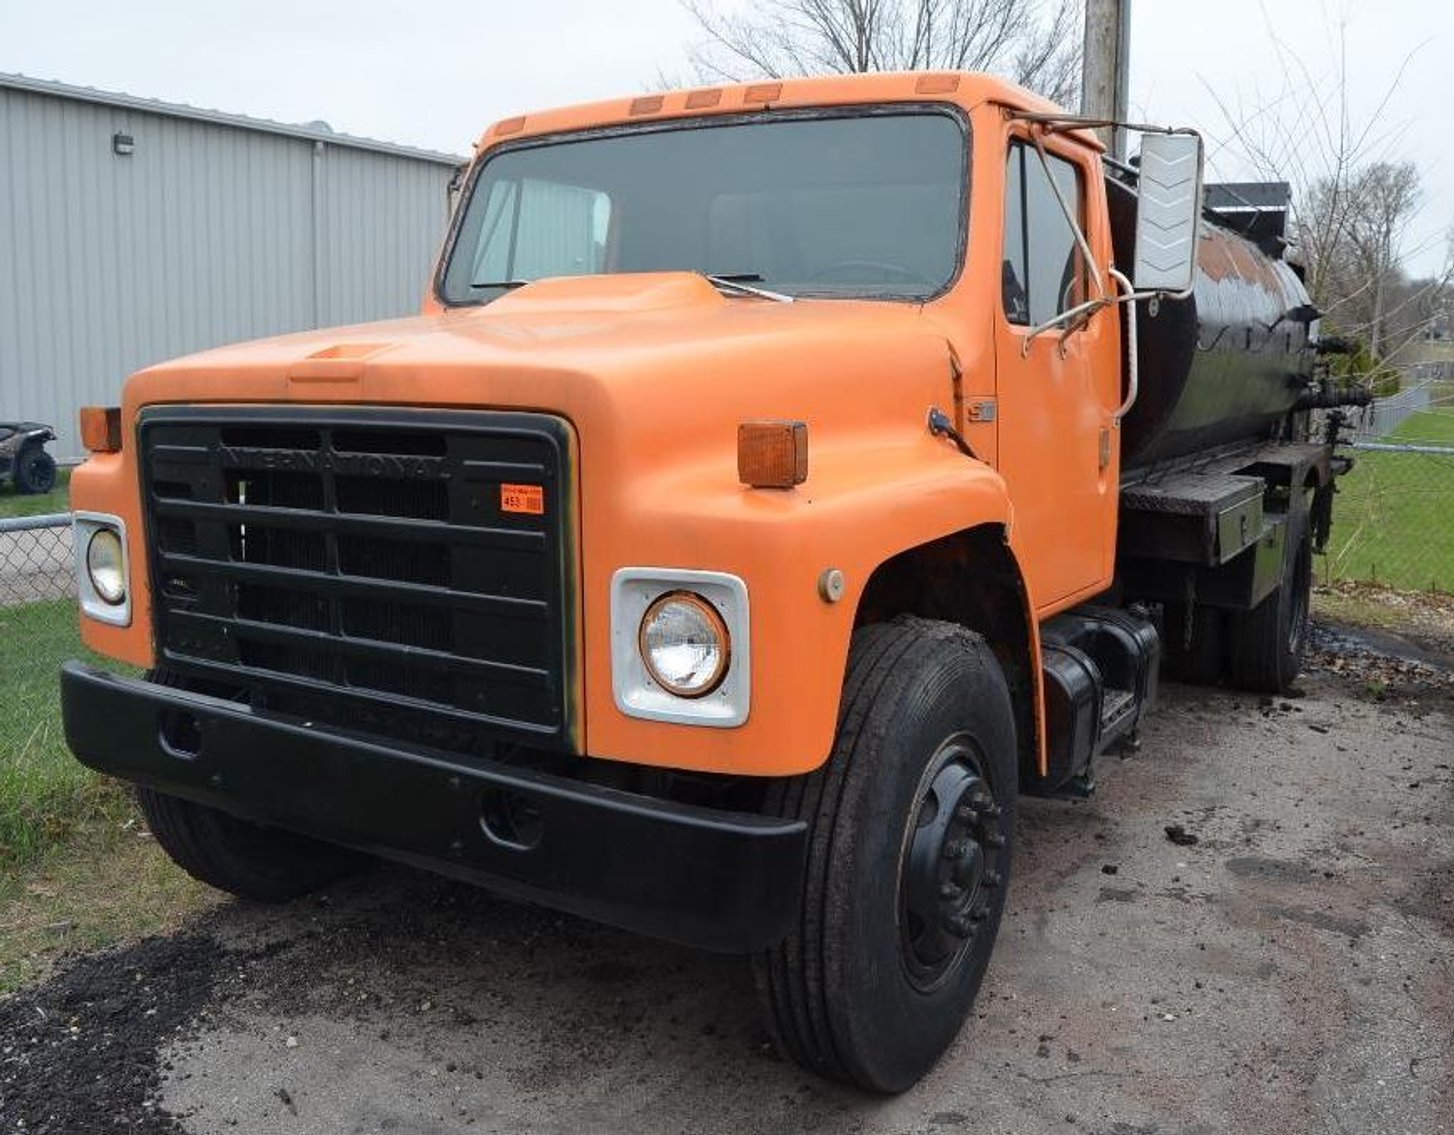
861	505
107	483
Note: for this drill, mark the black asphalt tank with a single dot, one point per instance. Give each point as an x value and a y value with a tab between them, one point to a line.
1225	364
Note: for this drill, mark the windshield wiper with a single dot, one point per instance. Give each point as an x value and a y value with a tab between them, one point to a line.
736	283
508	285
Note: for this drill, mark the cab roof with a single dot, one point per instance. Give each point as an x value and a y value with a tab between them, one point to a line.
966	89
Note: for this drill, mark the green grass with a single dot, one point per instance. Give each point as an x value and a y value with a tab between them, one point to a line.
1434	426
78	870
24	504
46	795
1393	520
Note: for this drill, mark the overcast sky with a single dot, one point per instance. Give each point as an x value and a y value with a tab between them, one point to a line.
435	74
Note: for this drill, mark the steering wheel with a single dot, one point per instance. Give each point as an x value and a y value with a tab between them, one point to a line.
879	267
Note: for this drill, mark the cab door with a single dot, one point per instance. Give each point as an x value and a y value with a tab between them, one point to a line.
1057	391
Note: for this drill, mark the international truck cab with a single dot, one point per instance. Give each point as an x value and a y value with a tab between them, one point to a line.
779	481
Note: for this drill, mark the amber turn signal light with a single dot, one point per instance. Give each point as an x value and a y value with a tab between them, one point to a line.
772	455
101	428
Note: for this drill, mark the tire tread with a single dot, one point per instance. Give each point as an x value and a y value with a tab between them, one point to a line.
263	864
1257	655
792	976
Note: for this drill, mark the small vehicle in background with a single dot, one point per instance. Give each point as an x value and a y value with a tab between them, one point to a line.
23	458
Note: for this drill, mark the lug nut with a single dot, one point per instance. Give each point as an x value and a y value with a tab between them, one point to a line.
957	924
956	849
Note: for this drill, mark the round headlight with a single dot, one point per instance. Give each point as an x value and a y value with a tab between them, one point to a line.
104	564
684	644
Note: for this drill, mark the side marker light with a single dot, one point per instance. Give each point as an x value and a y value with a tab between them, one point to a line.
772	455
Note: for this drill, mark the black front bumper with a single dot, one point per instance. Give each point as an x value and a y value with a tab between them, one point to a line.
718	880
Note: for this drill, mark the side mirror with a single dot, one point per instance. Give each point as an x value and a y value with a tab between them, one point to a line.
1167	214
455	188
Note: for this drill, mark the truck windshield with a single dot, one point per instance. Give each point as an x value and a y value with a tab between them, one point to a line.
860	205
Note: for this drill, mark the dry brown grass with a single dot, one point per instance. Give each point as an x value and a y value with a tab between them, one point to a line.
106	886
1424	617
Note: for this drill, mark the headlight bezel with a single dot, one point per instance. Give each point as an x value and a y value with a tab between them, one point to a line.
85	526
640	694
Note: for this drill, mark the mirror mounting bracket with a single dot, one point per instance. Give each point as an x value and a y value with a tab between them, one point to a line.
1183	178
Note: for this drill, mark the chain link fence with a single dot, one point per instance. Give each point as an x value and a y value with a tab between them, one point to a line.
1393	522
36	560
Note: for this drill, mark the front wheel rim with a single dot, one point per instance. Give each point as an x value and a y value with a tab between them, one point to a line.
952	864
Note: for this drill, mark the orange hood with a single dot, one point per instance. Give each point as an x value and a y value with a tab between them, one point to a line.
660	345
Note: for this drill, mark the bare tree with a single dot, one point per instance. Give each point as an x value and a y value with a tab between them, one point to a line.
1035	42
1382	199
1352	229
1353	199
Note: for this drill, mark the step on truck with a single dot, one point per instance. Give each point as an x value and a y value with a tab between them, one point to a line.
780	480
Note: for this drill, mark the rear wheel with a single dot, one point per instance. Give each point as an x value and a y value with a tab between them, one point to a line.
35	470
1202	660
243	858
911	823
1267	643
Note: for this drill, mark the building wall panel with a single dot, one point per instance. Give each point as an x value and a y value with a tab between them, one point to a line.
208	233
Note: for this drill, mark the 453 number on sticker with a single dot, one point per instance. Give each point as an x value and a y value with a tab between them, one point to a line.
529	499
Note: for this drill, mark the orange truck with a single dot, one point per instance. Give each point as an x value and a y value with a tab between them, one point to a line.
779	480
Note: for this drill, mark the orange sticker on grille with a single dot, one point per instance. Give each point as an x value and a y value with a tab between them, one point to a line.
523	498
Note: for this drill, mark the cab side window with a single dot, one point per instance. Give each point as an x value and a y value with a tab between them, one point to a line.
1042	274
531	228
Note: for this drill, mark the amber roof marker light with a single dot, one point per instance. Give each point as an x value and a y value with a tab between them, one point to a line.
772	454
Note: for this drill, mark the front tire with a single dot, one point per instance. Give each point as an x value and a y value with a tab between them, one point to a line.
911	823
245	859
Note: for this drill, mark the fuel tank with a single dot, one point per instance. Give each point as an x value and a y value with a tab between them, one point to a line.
1226	363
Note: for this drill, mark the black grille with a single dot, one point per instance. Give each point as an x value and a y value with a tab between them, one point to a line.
357	567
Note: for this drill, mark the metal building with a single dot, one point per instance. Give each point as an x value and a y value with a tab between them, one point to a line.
133	231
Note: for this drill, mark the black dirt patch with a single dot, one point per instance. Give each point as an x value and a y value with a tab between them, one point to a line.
1385	667
1430	895
1353	928
78	1054
1272	870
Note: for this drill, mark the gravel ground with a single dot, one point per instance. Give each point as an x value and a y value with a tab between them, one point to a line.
1288	971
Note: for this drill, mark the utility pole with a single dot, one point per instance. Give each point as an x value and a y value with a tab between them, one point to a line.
1106	67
